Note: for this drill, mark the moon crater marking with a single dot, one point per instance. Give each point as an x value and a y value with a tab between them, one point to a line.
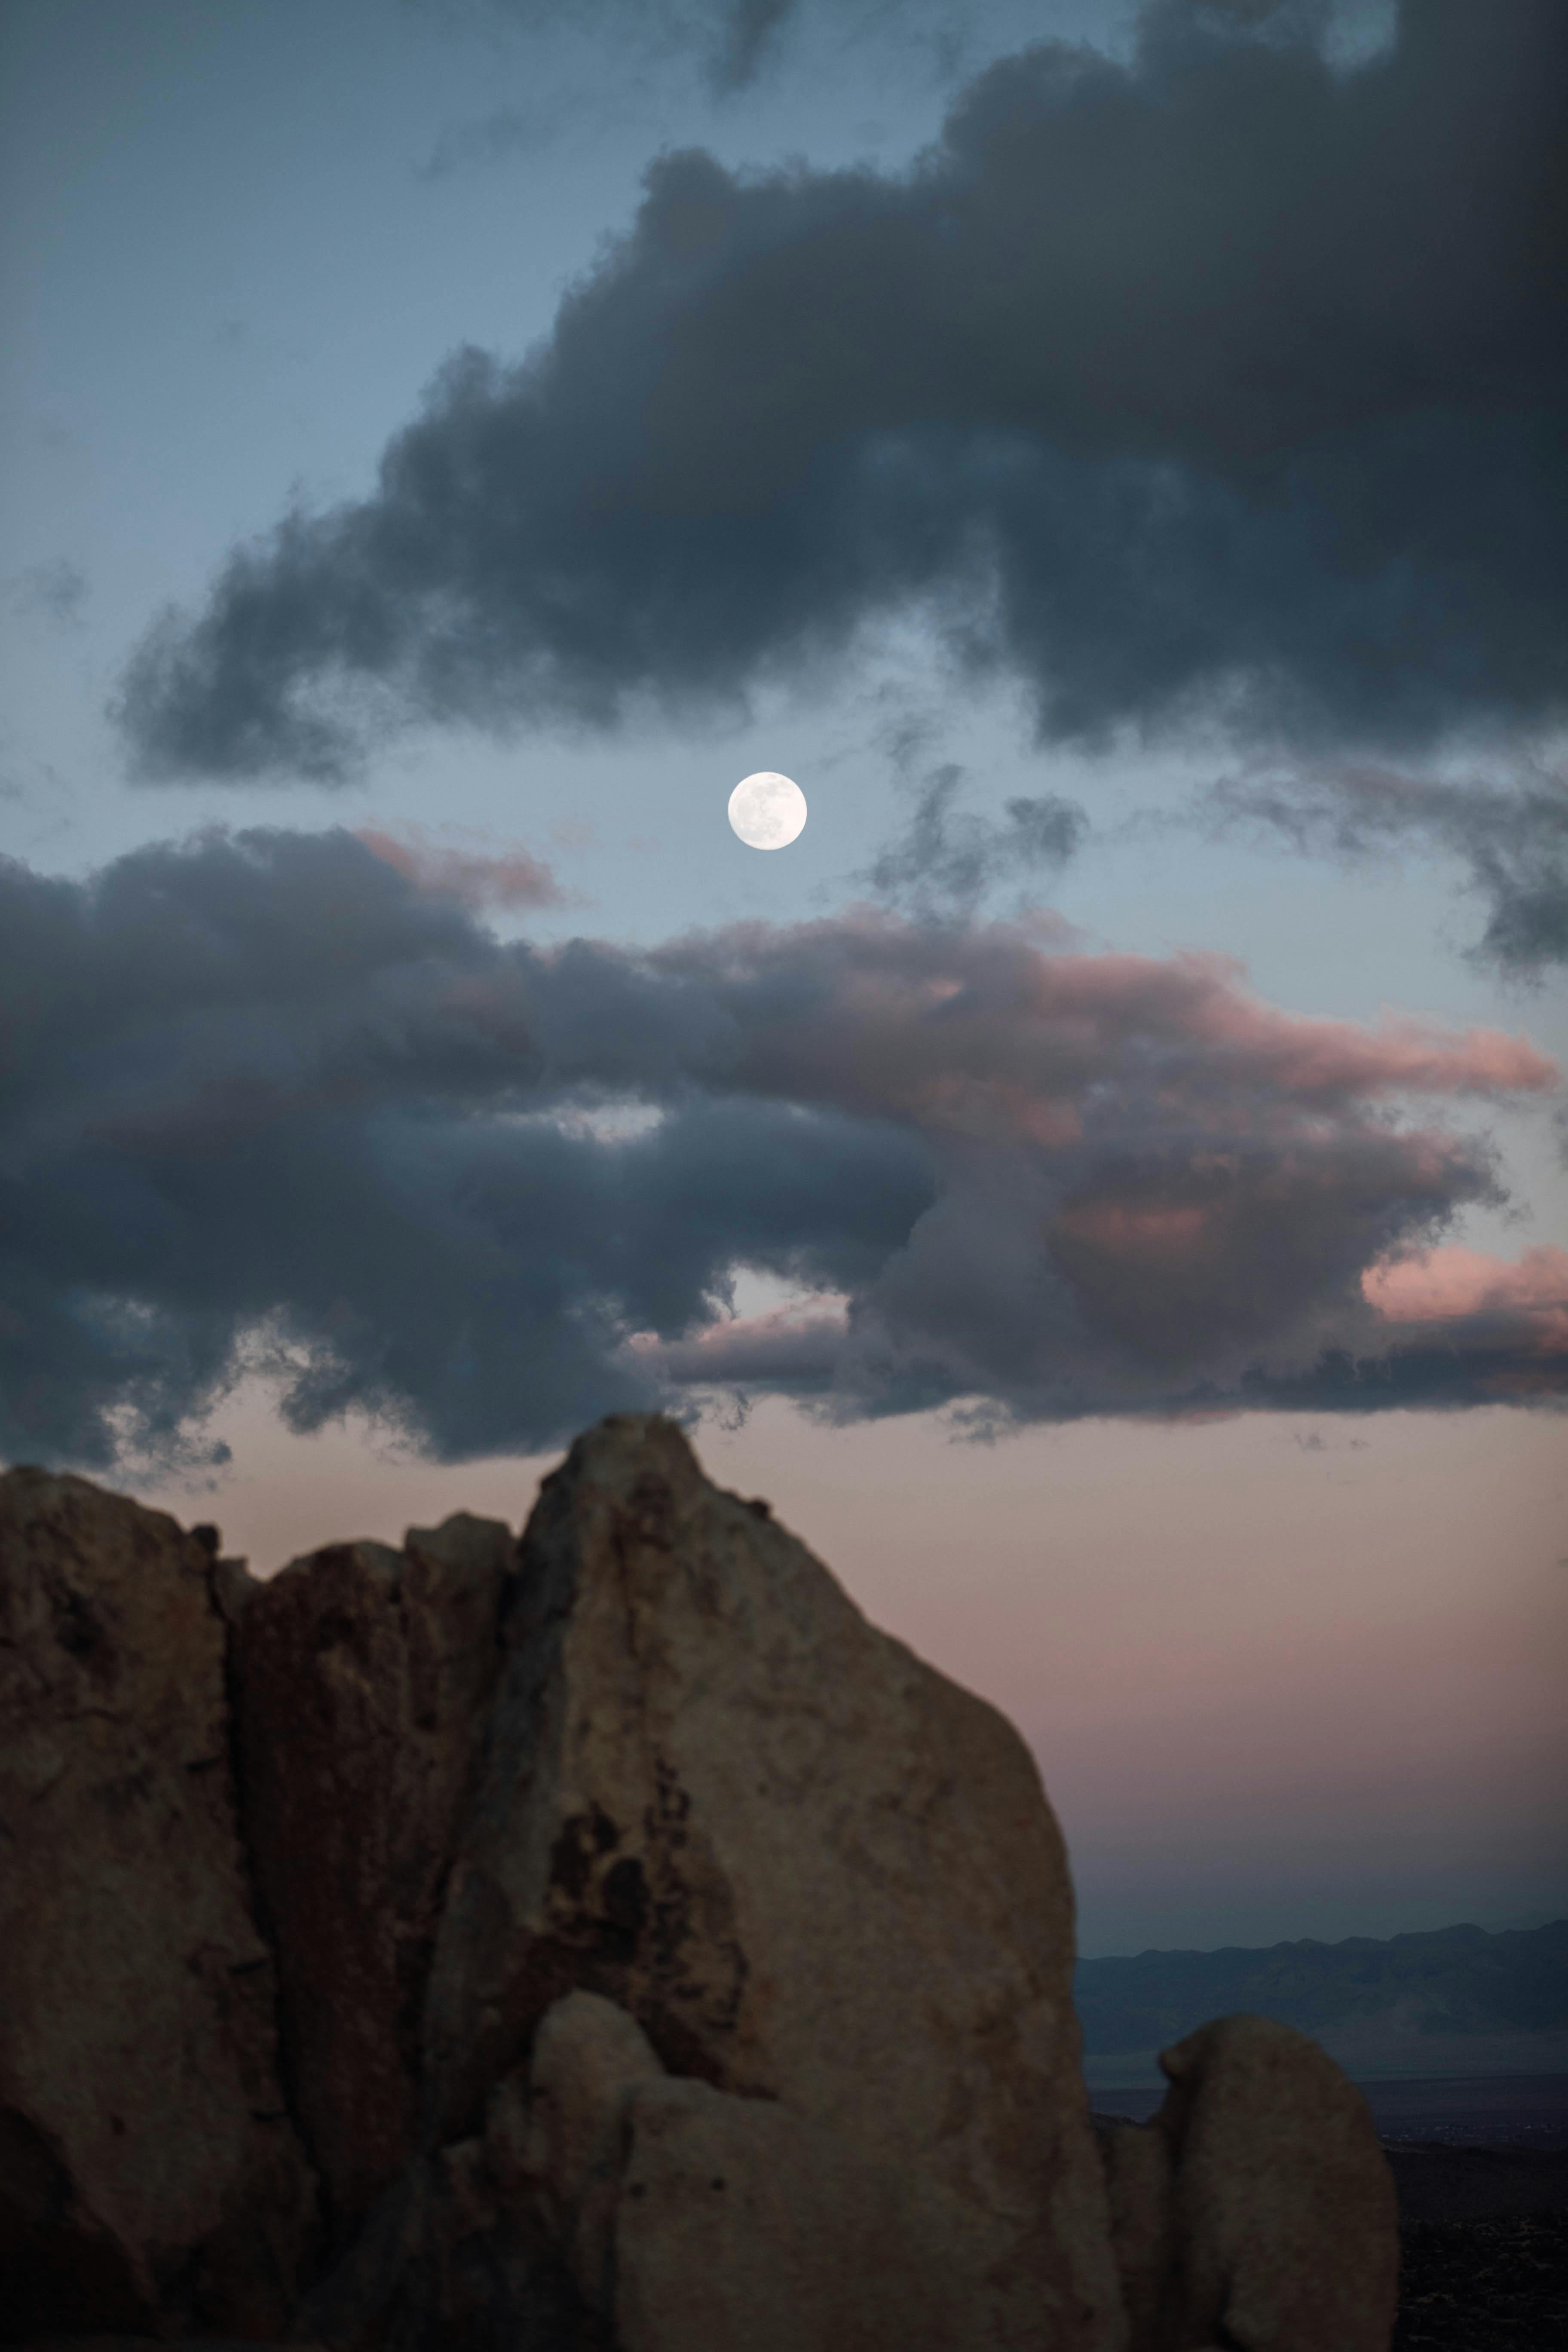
767	810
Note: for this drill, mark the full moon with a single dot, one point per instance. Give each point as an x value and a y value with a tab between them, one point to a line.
767	811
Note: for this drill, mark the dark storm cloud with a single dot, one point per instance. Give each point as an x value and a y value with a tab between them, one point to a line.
948	858
1221	383
267	1101
1513	838
266	1086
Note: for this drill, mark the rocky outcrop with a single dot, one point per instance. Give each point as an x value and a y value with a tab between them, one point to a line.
1285	2216
361	1678
149	2170
663	1958
810	1867
697	2221
1257	2207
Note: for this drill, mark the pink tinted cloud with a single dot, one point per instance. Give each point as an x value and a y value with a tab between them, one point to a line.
510	877
1143	1161
1155	1235
1455	1285
980	1031
1183	1252
786	1346
1045	1183
1316	1057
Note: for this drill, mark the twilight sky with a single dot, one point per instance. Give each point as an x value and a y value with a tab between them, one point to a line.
1105	1182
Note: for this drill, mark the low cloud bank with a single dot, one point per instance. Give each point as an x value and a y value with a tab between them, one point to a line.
271	1098
1219	384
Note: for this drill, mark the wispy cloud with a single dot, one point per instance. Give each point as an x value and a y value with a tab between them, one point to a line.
57	590
1513	837
489	138
473	878
948	858
734	42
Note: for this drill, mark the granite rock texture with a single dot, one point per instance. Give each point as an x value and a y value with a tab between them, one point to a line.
1286	2220
149	2169
645	1952
811	1868
362	1678
696	2220
1257	2207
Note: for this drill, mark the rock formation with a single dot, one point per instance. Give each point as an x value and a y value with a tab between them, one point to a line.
149	2170
810	1867
361	1680
1284	2217
689	2216
665	1960
1258	2207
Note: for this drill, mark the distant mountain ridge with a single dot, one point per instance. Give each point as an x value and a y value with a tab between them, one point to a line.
1450	1981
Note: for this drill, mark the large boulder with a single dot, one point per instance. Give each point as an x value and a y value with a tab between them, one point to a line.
1258	2209
1287	2224
557	2131
697	2221
362	1678
812	1869
149	2173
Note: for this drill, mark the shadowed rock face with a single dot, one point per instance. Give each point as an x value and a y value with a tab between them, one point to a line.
147	2163
1258	2209
1284	2217
361	1677
667	1961
695	2220
810	1867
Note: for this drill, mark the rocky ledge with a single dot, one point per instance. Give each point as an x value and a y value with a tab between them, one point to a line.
605	1939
